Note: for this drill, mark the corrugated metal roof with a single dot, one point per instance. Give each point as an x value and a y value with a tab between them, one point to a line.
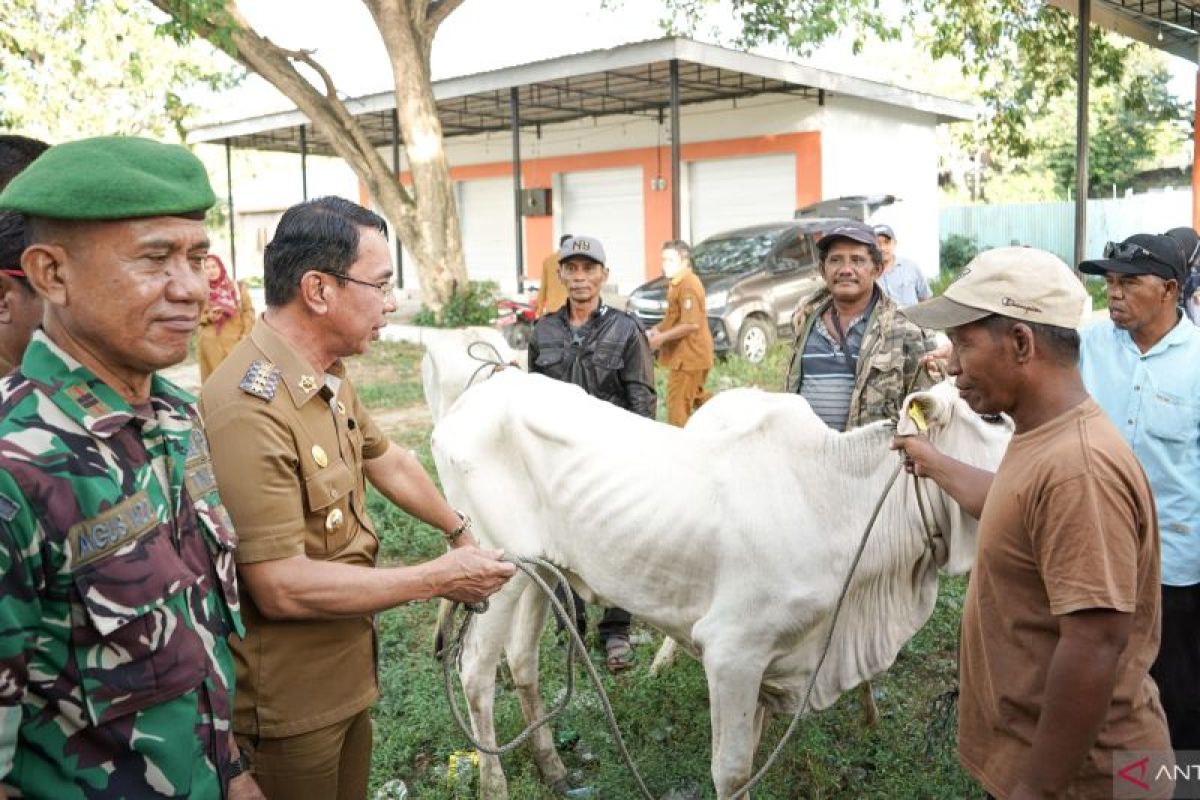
632	79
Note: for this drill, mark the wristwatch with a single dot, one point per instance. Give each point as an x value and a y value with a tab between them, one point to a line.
235	767
464	526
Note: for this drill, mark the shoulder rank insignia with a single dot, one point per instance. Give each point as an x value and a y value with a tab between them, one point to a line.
260	380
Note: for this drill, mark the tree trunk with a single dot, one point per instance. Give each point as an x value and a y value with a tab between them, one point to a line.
432	233
425	218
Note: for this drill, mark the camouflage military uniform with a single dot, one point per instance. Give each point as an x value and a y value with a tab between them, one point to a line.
888	361
117	590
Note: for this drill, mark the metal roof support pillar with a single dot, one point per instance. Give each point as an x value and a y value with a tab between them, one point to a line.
1196	161
396	172
303	163
676	218
229	201
1082	79
514	103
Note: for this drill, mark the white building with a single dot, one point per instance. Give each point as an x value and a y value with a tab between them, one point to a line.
757	138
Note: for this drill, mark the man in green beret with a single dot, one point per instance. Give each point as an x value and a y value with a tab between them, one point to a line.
117	582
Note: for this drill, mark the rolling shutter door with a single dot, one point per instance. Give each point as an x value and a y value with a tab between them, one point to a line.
608	205
485	211
736	192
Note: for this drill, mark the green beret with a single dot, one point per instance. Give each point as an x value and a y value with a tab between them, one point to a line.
111	177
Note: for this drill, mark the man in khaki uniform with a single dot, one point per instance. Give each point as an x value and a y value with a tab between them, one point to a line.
552	292
684	338
292	447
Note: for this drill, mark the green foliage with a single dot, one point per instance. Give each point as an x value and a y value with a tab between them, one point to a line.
83	68
1095	289
475	306
1017	56
802	25
1131	121
956	252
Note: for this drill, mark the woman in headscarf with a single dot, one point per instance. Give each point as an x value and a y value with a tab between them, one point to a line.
226	318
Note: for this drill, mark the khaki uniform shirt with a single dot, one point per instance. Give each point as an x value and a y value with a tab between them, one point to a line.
552	294
5	366
685	304
290	466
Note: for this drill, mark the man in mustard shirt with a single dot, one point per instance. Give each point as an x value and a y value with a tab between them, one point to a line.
292	448
683	339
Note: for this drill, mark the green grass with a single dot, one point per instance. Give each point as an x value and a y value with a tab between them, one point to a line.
664	720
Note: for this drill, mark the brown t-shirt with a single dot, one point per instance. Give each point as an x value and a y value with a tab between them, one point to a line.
288	455
1069	524
685	304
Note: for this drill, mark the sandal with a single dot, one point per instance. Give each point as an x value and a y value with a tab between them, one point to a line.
619	655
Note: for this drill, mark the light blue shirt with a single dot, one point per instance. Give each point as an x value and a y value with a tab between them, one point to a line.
905	283
1154	400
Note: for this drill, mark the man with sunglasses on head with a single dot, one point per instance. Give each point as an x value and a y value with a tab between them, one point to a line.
1141	366
292	449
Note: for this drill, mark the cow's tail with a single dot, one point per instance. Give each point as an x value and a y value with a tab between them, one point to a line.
443	633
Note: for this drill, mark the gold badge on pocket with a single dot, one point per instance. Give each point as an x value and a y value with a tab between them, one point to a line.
319	456
333	520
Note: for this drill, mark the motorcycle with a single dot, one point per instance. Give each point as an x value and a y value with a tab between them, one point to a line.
514	319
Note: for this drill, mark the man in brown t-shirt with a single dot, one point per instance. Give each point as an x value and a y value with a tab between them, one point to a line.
683	338
292	449
1061	621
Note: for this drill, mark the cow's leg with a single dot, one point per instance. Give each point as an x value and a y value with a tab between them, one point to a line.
734	678
480	659
665	656
522	653
870	711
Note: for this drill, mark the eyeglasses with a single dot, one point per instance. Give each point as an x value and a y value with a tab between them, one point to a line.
14	273
385	288
1127	251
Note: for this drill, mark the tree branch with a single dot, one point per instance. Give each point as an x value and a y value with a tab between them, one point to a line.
275	64
305	57
437	13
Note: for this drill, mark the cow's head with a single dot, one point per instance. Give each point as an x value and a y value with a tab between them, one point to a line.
966	436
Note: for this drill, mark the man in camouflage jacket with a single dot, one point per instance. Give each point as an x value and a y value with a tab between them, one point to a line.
117	583
887	366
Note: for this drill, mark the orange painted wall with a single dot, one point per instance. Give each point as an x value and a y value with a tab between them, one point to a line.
538	173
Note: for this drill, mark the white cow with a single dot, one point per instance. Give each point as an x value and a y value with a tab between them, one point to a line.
742	562
447	367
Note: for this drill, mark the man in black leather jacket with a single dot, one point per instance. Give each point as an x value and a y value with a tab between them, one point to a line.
604	351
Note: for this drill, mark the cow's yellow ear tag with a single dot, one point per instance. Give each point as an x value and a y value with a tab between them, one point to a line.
917	415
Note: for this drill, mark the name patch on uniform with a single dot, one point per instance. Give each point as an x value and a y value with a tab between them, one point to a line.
95	538
197	447
200	479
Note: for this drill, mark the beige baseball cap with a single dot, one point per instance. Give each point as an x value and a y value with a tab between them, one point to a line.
1019	282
